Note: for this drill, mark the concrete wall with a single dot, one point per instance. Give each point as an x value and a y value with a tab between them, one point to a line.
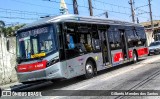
7	61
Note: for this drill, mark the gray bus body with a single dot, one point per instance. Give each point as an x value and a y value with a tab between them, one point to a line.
67	68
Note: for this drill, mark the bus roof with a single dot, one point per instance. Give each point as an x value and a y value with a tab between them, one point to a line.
78	19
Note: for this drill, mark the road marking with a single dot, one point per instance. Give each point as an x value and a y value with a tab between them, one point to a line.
83	87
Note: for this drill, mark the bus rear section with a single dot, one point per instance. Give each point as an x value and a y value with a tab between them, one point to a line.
124	44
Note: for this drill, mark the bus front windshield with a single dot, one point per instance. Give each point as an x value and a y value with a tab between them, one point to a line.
37	42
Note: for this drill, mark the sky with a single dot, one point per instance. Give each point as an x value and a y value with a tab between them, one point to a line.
26	11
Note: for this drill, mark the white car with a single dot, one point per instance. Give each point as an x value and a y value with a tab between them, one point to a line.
154	48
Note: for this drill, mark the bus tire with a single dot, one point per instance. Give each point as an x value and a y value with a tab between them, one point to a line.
89	68
135	57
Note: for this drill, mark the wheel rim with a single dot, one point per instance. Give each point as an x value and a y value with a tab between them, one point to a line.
89	69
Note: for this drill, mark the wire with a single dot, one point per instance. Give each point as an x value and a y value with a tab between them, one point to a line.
125	12
18	18
111	4
28	3
21	12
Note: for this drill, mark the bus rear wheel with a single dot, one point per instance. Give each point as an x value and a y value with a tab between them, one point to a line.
89	69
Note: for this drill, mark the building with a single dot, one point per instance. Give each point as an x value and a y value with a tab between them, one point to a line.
155	35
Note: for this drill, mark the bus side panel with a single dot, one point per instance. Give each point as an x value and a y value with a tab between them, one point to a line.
76	66
99	61
130	52
117	57
142	51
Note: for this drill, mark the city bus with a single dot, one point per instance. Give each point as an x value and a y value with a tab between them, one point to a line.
67	46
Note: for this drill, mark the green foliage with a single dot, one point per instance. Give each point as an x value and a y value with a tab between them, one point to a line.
10	31
2	24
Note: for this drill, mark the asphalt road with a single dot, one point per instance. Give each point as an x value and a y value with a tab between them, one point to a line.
144	75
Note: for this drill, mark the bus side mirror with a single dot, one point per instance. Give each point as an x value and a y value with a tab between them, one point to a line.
18	60
8	45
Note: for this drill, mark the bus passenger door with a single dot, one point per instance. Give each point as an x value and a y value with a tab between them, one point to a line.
124	44
106	52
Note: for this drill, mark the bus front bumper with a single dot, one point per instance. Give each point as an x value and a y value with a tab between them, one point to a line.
49	73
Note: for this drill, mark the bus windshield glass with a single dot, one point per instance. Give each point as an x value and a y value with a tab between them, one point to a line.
36	42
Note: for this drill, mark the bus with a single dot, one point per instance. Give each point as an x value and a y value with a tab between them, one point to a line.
67	46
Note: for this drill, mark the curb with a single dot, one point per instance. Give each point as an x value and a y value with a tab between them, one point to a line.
7	86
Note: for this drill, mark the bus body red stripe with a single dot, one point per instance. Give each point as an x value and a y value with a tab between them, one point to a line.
118	56
32	67
130	54
142	51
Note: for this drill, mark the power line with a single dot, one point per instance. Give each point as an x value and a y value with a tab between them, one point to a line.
22	12
18	18
141	6
111	4
140	12
28	3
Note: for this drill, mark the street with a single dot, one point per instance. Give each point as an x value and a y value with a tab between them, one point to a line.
143	75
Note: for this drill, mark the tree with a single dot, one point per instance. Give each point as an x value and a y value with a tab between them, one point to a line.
2	25
10	31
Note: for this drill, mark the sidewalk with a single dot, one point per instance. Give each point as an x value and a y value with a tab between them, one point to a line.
7	86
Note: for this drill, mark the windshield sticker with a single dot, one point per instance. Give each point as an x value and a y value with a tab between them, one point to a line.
38	55
34	32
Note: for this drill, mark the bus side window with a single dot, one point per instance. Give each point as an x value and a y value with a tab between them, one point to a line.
117	37
141	34
130	37
111	39
85	40
71	41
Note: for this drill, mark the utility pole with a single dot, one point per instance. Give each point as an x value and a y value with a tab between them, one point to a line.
106	14
137	20
90	7
150	10
75	6
132	11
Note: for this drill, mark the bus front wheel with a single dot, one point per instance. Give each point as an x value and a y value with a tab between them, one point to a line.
89	69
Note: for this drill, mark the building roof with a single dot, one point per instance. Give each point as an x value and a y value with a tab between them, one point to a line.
149	23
